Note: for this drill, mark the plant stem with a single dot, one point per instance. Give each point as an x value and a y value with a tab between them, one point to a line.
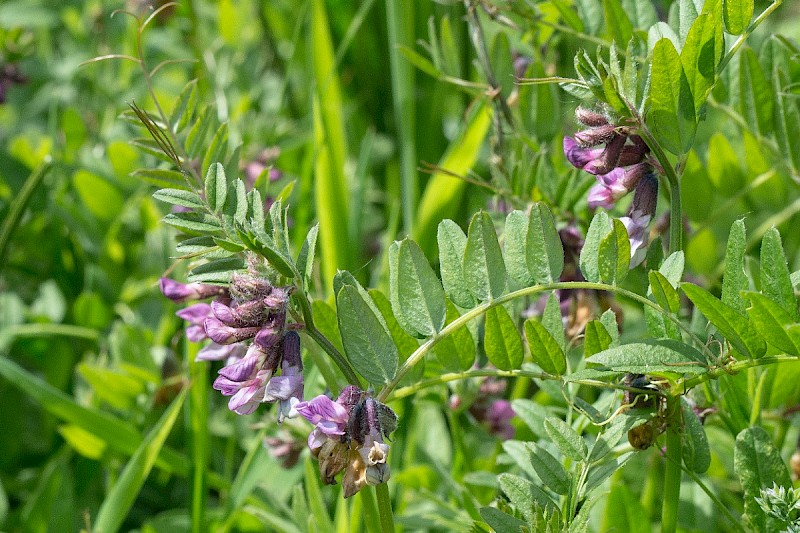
197	420
385	508
733	368
17	207
743	37
673	472
371	519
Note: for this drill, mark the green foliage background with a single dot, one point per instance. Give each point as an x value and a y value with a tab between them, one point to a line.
369	110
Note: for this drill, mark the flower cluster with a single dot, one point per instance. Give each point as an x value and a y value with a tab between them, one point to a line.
620	162
349	435
247	327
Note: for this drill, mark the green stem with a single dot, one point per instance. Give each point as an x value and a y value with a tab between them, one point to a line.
385	508
371	519
320	338
197	420
735	367
428	345
673	472
18	206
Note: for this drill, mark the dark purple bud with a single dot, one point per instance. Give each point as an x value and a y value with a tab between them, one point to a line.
645	196
291	351
222	334
610	157
521	63
590	118
350	397
595	136
248	314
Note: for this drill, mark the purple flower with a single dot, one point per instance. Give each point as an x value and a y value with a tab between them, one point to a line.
636	224
195	315
329	417
578	156
246	379
499	417
288	387
180	292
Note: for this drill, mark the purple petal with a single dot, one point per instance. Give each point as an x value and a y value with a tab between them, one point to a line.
224	313
316	438
267	338
322	408
218	352
600	196
196	333
226	386
241	370
247	399
580	157
283	388
195	314
175	290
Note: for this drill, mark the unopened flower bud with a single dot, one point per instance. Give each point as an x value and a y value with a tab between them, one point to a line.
590	118
248	314
180	292
222	334
377	474
595	136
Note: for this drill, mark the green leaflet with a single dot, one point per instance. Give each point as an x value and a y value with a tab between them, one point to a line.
179	197
456	351
549	469
365	337
596	338
618	22
776	283
569	442
652	357
184	108
755	93
624	510
598	229
758	464
734	326
737	15
305	259
420	297
515	235
544	251
614	257
663	292
552	322
696	453
119	500
452	243
214	153
500	521
735	280
702	52
545	349
786	117
772	321
671	111
484	268
523	494
193	223
501	341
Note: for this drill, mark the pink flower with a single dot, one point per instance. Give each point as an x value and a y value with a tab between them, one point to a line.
329	417
180	292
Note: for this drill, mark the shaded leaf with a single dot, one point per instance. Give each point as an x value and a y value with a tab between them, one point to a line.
452	243
420	297
651	357
484	268
567	439
544	349
544	251
501	340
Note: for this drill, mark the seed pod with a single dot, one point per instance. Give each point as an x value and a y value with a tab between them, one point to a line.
642	437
